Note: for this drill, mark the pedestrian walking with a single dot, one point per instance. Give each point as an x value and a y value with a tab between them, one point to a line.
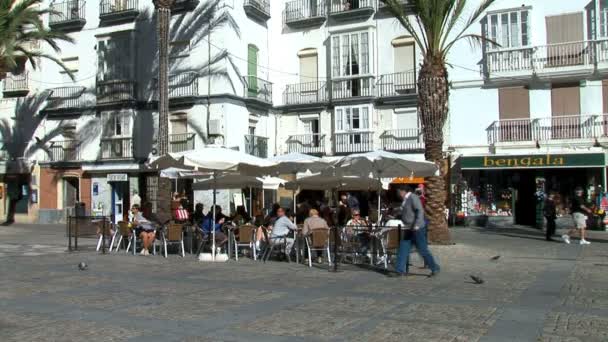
412	215
550	213
579	214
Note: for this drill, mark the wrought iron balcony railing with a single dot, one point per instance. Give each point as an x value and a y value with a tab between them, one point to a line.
65	98
351	87
118	9
353	142
257	88
16	84
402	140
115	91
116	148
181	142
302	12
258	8
546	58
64	151
344	6
313	143
397	84
256	145
305	93
571	127
69	13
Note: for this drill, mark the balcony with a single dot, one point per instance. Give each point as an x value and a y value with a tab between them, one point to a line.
344	10
304	13
64	151
180	6
16	85
402	140
305	93
258	89
117	11
353	142
116	148
68	15
115	92
258	9
396	87
382	6
352	87
547	61
256	145
183	88
313	143
574	127
181	142
66	100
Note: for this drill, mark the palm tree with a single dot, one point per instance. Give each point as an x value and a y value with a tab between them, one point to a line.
436	26
21	29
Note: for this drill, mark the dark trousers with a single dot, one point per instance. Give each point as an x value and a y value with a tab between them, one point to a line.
418	239
550	227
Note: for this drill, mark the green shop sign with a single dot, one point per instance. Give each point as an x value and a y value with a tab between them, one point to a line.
533	161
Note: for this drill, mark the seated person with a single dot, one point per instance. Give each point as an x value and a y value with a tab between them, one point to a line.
206	226
143	228
281	229
356	227
198	215
241	216
313	222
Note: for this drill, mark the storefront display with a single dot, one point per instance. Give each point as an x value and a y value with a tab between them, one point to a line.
516	186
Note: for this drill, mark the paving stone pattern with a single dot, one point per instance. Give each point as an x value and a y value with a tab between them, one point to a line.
536	291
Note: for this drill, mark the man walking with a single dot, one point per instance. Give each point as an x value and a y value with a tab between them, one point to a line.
550	216
412	215
579	215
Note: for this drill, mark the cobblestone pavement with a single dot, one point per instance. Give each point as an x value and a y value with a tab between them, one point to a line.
536	291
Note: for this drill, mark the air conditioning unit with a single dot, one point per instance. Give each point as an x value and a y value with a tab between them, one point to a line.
215	127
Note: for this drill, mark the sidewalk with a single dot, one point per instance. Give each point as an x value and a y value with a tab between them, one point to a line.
536	291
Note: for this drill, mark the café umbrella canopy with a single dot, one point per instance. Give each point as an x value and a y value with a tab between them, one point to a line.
379	164
294	163
218	161
322	181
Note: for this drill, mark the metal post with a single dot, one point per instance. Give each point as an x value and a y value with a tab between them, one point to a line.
103	236
213	223
70	233
336	239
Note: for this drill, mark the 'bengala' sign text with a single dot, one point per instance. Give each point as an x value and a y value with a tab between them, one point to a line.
515	161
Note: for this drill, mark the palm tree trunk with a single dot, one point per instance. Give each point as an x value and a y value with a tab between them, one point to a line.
163	17
433	95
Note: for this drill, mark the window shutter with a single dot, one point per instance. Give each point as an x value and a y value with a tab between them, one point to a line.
365	118
513	103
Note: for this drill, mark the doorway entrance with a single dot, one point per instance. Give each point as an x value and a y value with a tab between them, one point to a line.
71	192
120	201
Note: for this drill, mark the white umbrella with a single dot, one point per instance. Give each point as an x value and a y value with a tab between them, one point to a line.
379	164
294	163
236	181
220	160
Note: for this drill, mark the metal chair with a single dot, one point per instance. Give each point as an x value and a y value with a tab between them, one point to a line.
390	241
104	230
174	234
245	239
318	240
124	231
272	243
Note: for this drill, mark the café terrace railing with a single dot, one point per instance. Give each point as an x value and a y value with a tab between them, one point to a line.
546	58
570	127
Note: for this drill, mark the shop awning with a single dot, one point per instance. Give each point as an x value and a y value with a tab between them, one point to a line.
532	161
104	168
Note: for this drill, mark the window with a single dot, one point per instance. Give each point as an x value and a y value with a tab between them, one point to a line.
352	119
179	126
603	19
114	58
117	125
252	69
350	54
508	29
71	63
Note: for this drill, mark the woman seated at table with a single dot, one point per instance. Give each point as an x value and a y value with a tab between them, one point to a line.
143	228
357	230
313	222
241	216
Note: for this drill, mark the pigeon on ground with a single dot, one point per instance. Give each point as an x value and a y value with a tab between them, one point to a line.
477	280
495	258
82	266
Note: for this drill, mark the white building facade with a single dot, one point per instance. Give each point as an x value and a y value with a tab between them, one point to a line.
323	77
